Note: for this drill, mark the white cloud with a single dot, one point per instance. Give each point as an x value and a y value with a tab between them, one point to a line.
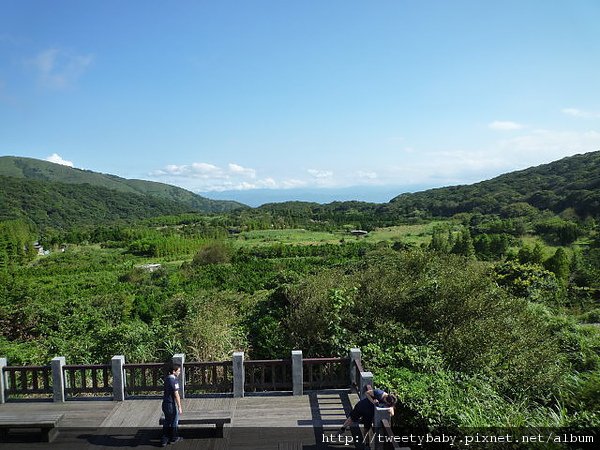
366	175
202	176
202	168
60	69
237	169
505	125
194	170
320	173
548	145
418	168
205	177
459	166
574	112
57	159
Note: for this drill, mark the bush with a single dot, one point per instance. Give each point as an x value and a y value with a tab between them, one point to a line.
213	253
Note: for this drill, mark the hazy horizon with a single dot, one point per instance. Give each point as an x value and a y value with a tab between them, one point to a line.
258	197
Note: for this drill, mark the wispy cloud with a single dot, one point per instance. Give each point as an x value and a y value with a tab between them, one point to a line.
549	144
575	112
505	125
205	177
420	167
57	159
242	171
59	69
460	166
321	174
366	175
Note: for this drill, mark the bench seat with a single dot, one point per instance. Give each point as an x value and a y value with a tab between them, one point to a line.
46	422
218	418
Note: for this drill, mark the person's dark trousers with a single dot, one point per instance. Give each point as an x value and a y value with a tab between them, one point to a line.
170	423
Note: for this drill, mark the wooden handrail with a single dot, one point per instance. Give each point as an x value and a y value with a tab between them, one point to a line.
27	380
387	430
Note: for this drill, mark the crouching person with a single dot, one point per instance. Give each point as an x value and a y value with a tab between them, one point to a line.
364	411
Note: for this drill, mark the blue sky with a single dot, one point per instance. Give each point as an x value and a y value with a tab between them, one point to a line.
349	96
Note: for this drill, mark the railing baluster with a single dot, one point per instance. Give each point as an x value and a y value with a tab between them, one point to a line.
34	374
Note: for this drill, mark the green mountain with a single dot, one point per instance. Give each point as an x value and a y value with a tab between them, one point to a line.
569	183
35	169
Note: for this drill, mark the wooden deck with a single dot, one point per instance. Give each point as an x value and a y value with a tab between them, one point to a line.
258	422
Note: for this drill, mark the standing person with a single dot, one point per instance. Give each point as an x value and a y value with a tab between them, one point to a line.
171	406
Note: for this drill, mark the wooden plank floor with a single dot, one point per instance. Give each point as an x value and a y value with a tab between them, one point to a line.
258	422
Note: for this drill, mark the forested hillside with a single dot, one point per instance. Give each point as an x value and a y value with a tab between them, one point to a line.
34	169
572	182
60	205
570	187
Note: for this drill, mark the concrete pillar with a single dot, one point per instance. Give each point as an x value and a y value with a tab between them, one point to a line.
366	378
179	358
297	373
58	378
380	414
238	374
354	355
3	364
118	373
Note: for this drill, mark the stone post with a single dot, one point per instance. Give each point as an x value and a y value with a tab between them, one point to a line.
118	373
297	373
238	374
366	378
179	358
354	355
3	364
58	378
380	414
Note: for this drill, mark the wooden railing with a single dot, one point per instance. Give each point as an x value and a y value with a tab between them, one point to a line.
93	379
146	378
121	380
268	375
386	430
31	381
208	377
358	370
325	373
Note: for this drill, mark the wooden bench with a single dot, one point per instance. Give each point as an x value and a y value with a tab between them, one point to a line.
218	418
46	422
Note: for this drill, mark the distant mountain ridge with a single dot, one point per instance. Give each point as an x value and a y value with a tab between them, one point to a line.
35	169
571	182
53	195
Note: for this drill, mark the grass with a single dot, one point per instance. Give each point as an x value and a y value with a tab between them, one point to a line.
414	234
548	249
291	236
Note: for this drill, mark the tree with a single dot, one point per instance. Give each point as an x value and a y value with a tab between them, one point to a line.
559	264
440	239
464	244
529	255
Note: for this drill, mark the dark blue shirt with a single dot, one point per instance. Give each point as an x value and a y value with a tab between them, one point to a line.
171	386
378	394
